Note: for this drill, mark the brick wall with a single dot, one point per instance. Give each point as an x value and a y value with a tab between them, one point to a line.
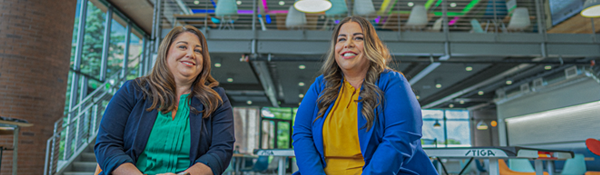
35	47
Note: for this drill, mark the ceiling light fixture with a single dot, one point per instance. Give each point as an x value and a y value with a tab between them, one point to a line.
469	68
196	2
301	84
230	80
462	102
453	4
217	64
437	124
509	82
591	9
249	102
418	97
301	95
312	6
548	67
301	67
410	4
451	105
239	2
480	92
281	3
438	85
482	126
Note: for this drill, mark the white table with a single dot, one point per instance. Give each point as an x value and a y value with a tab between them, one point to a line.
283	153
495	153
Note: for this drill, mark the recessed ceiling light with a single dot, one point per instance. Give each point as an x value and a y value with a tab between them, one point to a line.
453	4
410	4
418	97
217	64
230	80
196	2
301	84
509	82
480	92
299	103
302	67
468	68
239	2
301	95
547	67
451	105
249	102
438	85
281	3
462	102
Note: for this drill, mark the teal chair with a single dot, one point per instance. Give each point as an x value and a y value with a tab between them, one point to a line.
520	165
227	11
338	10
575	166
476	26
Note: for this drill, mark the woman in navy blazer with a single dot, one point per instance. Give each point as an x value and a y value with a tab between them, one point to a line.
182	67
389	116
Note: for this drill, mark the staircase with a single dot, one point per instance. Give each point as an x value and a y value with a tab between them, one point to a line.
70	150
84	164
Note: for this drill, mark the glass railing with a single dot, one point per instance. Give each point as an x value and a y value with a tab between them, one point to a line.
474	16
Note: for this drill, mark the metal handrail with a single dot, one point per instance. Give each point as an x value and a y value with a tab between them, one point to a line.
85	117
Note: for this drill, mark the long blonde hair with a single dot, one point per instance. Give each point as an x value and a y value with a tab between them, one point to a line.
378	56
159	85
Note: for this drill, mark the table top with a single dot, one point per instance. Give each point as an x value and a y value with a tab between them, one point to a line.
499	152
243	155
20	124
275	152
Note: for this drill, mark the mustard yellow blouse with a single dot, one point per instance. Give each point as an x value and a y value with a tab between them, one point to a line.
340	134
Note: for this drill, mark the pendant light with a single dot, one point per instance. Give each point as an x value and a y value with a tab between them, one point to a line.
312	6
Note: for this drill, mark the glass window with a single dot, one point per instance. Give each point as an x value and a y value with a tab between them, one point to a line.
433	135
135	54
92	45
446	128
432	114
116	48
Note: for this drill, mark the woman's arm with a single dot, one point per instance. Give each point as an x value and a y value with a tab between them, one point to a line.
307	156
221	149
402	123
199	169
127	168
109	141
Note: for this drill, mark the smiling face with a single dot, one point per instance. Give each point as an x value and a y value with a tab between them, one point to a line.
184	57
349	49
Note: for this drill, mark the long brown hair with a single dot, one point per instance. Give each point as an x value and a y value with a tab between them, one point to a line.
378	56
159	85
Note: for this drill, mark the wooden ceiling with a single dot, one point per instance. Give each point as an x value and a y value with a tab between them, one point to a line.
576	24
139	11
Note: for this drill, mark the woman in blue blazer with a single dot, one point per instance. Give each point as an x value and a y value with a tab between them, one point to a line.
174	120
388	117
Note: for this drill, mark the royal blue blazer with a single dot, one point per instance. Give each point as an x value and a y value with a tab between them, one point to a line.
126	126
391	146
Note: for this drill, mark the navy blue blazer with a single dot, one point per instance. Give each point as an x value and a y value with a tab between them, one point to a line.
126	126
391	146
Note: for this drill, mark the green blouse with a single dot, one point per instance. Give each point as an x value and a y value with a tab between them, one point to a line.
168	147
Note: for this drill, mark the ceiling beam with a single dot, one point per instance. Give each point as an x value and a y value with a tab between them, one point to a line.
494	79
427	70
262	71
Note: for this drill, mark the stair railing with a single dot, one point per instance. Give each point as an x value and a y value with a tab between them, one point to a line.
80	124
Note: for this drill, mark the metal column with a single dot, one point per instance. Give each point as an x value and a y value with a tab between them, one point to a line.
126	51
106	43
